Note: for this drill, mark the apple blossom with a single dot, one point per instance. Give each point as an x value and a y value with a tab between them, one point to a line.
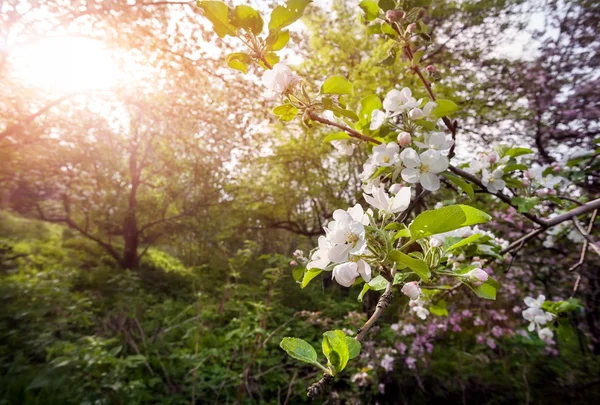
423	169
535	314
344	146
279	79
436	140
347	273
411	290
382	201
346	233
478	275
378	118
493	181
404	139
397	101
320	258
386	154
545	334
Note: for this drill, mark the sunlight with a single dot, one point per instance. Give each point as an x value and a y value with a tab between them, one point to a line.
67	64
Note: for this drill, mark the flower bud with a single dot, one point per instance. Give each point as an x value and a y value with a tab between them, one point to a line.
395	188
293	263
298	253
492	158
551	192
529	174
404	139
415	113
525	182
411	27
394	15
411	290
478	275
542	192
430	68
435	242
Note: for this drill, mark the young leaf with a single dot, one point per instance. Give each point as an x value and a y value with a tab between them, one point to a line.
300	350
298	273
371	9
354	347
286	112
246	17
446	219
217	13
336	137
239	61
514	152
487	290
335	349
464	242
459	182
368	104
277	40
416	265
525	204
444	108
439	309
336	85
309	275
271	57
282	16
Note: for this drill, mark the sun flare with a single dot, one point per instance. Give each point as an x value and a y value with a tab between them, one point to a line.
67	64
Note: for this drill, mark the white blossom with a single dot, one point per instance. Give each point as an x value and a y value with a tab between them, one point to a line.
347	273
493	181
399	100
346	234
545	334
344	146
386	154
436	140
411	290
378	117
320	258
535	314
389	205
423	168
279	79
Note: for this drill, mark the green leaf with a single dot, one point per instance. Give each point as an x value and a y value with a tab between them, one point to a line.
354	347
487	290
514	167
444	108
446	219
525	204
286	112
514	152
459	182
282	16
336	85
366	287
298	273
371	9
336	137
217	13
309	275
386	5
271	57
439	309
277	40
464	242
335	349
239	61
388	30
300	350
368	104
416	265
417	59
246	17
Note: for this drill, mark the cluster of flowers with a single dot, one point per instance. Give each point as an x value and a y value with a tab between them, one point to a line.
538	318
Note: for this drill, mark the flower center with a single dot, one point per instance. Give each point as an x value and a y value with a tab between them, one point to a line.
424	168
386	159
352	238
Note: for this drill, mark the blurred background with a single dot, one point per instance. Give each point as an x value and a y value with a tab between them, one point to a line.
150	204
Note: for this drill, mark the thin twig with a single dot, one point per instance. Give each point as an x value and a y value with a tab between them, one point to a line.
591	242
348	130
384	302
584	248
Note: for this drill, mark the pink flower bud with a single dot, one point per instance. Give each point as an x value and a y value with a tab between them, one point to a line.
529	174
411	290
415	113
542	192
551	192
293	263
411	27
394	15
404	139
525	182
479	275
492	157
395	188
430	68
